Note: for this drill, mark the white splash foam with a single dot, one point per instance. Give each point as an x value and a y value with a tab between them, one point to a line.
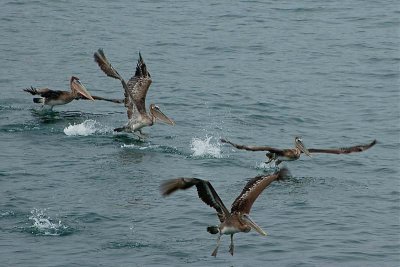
140	147
88	127
205	148
43	224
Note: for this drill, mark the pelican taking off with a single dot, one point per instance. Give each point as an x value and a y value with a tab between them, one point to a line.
56	97
238	219
135	95
279	155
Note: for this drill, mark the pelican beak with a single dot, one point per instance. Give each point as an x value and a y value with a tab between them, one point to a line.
301	146
253	225
161	116
80	88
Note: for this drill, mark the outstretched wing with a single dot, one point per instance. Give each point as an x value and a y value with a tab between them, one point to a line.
44	92
253	189
109	70
118	101
105	65
205	191
253	148
138	85
343	150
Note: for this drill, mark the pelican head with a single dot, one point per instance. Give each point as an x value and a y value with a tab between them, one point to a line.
299	144
77	87
156	113
245	218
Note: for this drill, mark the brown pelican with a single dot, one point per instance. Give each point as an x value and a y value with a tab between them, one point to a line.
55	97
238	219
135	96
279	155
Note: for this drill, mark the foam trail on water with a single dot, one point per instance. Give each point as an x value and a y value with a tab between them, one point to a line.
140	147
88	127
205	148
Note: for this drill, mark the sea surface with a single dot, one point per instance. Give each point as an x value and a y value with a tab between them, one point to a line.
74	193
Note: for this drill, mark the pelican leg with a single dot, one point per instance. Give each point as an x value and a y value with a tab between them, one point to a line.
216	249
231	246
140	134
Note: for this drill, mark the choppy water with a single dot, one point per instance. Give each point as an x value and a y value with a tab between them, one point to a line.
72	193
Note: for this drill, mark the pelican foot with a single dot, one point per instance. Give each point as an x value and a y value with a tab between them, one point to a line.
214	254
216	248
231	247
141	135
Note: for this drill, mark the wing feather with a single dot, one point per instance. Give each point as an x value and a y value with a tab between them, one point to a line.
44	92
253	189
205	191
105	65
139	84
109	70
343	150
253	148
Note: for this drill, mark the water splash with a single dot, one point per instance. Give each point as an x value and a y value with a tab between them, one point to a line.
88	127
205	148
149	147
43	224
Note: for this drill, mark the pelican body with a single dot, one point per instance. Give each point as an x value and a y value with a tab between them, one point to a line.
56	97
231	222
279	155
135	91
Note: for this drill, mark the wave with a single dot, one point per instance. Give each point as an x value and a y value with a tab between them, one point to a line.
205	147
88	127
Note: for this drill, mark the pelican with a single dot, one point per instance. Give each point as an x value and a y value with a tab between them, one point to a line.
135	96
279	155
56	97
238	219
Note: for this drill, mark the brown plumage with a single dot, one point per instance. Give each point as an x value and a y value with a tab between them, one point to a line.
58	97
135	91
235	221
279	155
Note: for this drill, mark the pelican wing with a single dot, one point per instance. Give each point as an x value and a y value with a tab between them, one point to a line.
205	191
44	92
138	86
253	189
118	101
253	148
343	150
105	65
109	70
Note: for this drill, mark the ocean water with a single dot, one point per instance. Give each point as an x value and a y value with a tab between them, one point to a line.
73	193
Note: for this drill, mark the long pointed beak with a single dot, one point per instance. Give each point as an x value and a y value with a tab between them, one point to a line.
80	88
253	225
162	117
304	149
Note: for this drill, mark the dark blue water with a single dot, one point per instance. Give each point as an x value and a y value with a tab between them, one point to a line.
72	193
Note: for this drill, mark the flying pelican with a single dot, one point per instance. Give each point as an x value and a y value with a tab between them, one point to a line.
238	219
279	155
135	96
56	97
